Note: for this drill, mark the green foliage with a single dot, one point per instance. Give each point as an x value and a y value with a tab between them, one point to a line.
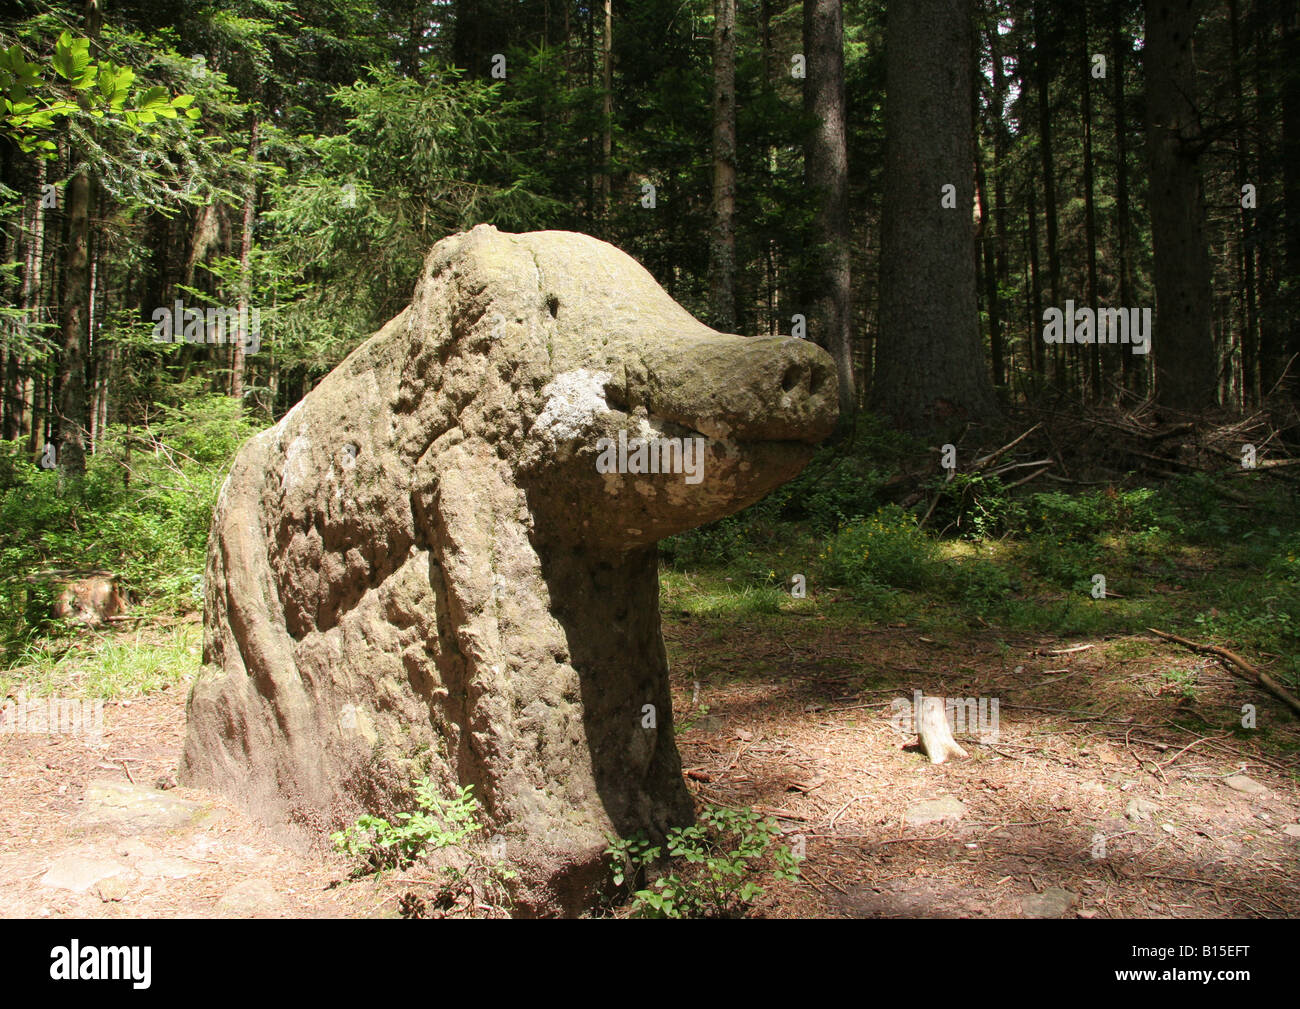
1081	517
841	481
981	585
1067	563
32	106
436	823
885	550
1184	680
349	228
975	506
832	491
714	866
1264	615
1284	560
687	722
106	666
142	510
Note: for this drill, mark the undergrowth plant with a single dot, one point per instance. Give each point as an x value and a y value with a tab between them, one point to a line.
469	887
437	823
713	866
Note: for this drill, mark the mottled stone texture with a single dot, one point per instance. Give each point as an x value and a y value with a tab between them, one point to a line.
420	570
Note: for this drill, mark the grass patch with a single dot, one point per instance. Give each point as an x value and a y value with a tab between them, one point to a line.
107	666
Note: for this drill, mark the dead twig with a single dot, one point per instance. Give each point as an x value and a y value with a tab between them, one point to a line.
831	824
1257	676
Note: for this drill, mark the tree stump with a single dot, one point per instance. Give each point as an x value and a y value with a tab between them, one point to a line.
935	732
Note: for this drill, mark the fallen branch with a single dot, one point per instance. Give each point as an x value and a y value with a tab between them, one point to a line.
1072	648
1258	676
1026	479
983	461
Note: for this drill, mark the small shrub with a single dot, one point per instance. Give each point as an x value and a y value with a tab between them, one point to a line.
471	888
976	506
1083	516
715	865
437	823
979	584
887	549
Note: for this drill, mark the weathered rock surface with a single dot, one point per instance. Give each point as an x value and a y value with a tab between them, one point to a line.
1053	902
1245	784
124	808
946	807
1140	809
422	569
79	872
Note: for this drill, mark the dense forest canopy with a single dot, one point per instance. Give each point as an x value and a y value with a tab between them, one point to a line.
299	159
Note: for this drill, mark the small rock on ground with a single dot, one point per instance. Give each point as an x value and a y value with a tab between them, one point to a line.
125	808
945	807
79	873
1051	903
1241	783
111	889
249	899
1139	809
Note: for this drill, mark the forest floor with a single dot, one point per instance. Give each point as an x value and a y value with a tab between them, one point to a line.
1119	784
1108	791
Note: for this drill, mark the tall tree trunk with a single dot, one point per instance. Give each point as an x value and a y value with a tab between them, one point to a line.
989	273
1186	376
11	241
92	348
245	267
1120	49
1289	15
40	413
607	111
1038	350
1043	77
73	419
592	213
772	249
1001	141
36	382
722	235
1245	259
18	422
826	164
1089	201
930	369
1270	325
74	308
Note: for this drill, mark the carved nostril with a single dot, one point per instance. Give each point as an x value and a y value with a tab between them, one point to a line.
819	378
552	305
793	375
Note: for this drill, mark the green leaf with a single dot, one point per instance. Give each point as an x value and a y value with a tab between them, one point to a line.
71	57
153	99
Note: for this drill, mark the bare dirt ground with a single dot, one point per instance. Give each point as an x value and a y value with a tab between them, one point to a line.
799	724
220	865
1095	800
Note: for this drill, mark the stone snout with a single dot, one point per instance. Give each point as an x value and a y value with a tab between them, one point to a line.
630	457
